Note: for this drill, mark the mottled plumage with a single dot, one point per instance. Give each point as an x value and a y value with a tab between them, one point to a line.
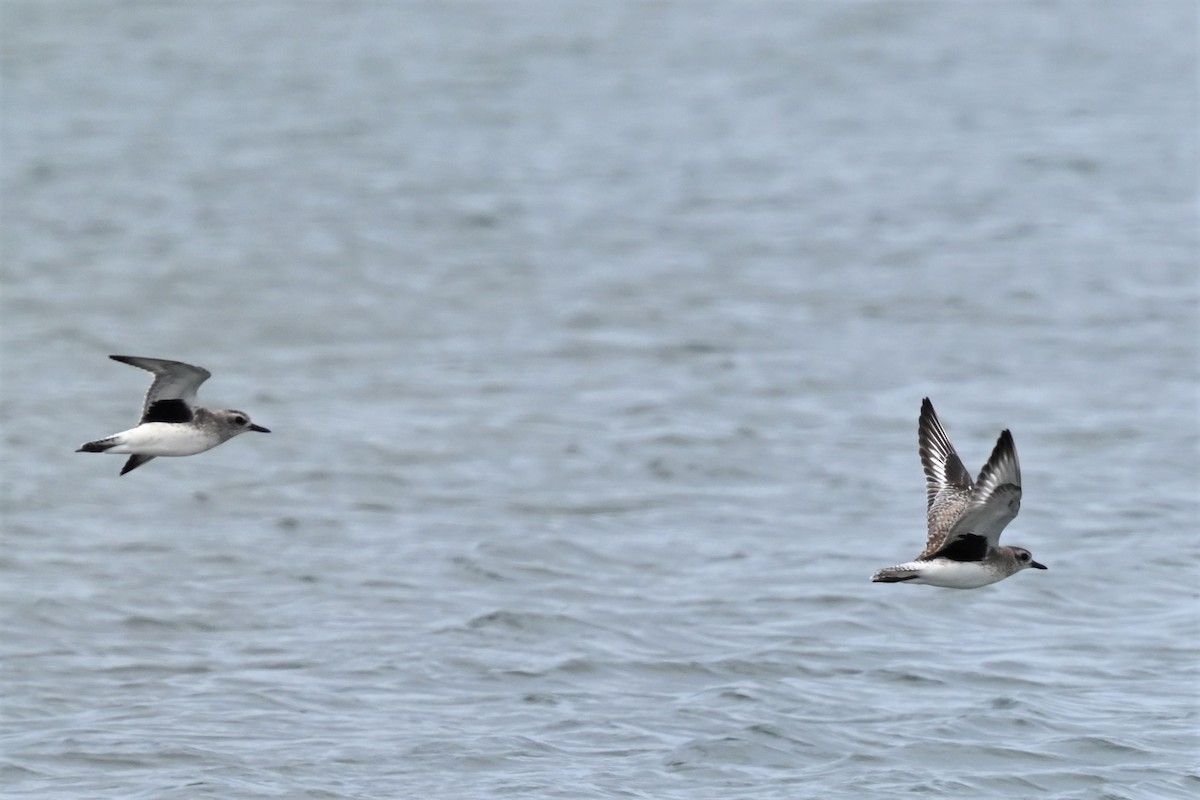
965	518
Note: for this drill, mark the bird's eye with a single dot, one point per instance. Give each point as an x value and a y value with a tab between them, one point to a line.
1024	556
239	419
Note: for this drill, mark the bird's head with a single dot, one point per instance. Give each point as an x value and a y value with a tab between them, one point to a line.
239	421
1025	559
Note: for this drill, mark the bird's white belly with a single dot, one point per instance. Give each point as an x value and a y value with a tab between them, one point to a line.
956	574
163	439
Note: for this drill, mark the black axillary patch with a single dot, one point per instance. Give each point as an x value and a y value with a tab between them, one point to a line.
168	411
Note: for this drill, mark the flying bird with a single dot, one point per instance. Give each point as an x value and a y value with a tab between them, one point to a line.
172	424
965	518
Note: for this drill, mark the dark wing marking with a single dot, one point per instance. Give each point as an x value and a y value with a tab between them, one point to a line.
967	547
168	411
134	462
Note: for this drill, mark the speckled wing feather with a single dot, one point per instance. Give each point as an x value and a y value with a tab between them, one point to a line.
944	470
947	483
173	390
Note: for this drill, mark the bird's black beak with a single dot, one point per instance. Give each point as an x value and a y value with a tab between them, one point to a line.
1036	565
261	429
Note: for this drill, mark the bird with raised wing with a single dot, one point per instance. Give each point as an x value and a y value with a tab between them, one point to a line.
965	518
172	424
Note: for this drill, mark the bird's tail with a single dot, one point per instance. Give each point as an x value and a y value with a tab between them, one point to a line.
897	574
98	446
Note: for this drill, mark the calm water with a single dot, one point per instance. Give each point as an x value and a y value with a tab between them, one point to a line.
593	338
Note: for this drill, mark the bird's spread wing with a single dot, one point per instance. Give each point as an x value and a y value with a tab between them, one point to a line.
173	394
993	502
947	482
944	470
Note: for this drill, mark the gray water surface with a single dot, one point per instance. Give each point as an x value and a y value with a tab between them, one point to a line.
592	338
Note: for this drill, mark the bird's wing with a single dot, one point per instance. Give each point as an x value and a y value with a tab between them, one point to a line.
134	462
944	470
172	395
947	482
992	504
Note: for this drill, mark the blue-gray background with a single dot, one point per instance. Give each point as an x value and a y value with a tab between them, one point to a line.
592	336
